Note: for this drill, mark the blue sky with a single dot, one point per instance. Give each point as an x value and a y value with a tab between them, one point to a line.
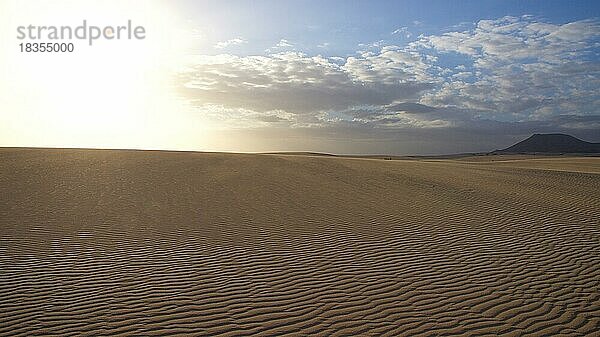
346	24
397	76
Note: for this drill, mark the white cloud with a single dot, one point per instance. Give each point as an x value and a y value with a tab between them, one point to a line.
390	65
282	45
231	42
522	69
402	31
511	39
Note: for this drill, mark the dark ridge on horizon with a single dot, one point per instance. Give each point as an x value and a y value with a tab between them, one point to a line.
551	143
545	144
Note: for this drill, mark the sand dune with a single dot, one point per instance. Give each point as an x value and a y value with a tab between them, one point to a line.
138	243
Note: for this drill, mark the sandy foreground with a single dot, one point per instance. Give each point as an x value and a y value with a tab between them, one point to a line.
146	243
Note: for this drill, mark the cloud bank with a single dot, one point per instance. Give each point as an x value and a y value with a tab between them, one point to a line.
506	78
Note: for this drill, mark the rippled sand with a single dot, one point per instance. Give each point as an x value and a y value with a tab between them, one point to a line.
97	242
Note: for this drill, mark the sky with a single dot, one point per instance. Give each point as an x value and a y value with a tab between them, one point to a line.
360	77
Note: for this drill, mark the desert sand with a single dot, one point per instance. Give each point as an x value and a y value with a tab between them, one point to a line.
149	243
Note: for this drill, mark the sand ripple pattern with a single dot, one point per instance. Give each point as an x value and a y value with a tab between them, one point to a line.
132	243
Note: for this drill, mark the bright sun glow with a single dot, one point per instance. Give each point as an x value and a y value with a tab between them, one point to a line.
115	93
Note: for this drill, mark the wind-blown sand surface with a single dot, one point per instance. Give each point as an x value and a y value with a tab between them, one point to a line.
99	242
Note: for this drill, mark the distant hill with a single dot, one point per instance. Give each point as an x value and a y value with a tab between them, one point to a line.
552	143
